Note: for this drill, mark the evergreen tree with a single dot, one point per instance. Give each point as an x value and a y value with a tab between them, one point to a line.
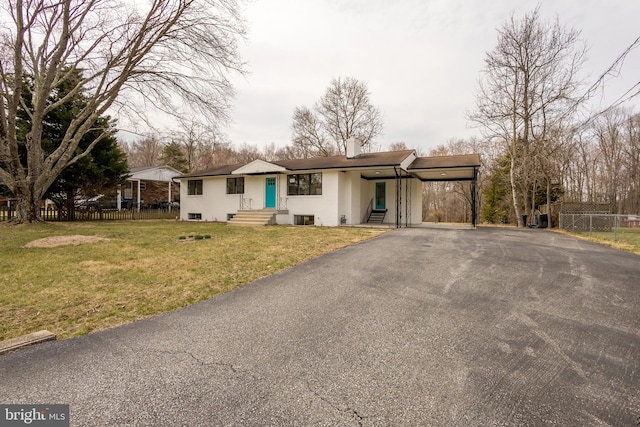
96	173
173	155
496	207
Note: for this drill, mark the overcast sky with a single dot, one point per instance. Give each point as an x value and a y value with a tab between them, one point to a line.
421	59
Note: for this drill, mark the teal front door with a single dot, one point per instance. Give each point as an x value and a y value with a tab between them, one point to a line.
380	195
270	193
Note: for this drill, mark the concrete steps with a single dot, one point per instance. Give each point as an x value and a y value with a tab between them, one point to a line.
376	216
253	218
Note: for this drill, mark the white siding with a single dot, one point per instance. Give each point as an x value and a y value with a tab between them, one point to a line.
254	189
214	204
416	201
343	193
323	207
415	194
350	185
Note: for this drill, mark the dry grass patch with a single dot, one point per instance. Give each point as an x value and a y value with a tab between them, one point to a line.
627	239
55	241
138	269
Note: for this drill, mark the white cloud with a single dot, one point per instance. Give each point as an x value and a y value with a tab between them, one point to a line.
420	59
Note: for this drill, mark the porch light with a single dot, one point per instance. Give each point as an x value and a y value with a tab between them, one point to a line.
443	174
377	172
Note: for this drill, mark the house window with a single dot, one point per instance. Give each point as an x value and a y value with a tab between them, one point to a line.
235	185
194	216
303	219
304	184
194	187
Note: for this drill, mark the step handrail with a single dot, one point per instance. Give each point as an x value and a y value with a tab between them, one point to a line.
369	210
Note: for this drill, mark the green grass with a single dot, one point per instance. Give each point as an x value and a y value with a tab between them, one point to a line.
143	269
627	239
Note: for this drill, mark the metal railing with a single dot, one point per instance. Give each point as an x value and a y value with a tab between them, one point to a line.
282	203
245	203
368	212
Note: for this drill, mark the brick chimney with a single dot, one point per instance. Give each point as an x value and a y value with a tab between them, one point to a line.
353	148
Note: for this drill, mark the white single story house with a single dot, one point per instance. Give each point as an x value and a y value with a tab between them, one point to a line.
357	188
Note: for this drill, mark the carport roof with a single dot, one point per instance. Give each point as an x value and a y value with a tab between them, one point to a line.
162	173
446	168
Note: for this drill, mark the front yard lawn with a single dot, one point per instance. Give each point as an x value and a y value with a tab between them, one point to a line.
139	269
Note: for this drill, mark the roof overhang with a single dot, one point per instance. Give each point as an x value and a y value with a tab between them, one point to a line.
159	173
383	172
446	174
446	168
258	167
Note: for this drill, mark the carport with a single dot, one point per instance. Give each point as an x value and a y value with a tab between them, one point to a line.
139	176
449	168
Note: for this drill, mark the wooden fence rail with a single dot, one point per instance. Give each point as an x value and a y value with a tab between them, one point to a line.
54	214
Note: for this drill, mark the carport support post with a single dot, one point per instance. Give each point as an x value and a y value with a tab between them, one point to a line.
398	198
474	202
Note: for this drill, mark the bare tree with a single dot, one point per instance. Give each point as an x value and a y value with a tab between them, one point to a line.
310	135
144	152
608	133
603	161
398	146
291	152
529	87
449	200
158	52
199	141
632	158
344	111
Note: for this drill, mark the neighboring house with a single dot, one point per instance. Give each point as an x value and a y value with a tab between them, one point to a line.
329	191
150	186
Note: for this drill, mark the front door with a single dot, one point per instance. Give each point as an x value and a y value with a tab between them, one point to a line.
380	195
270	193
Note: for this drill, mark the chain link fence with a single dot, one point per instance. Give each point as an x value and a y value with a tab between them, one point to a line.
608	226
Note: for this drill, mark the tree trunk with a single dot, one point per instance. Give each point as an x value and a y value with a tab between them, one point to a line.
70	206
549	216
516	205
27	206
525	206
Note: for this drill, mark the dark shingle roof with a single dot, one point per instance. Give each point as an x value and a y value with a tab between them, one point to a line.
214	171
390	158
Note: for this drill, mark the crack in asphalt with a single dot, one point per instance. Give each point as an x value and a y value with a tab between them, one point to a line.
358	417
233	368
238	372
354	413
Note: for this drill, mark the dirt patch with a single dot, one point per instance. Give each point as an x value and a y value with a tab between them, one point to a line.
52	242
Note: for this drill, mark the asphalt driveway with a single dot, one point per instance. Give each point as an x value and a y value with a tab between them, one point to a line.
416	327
